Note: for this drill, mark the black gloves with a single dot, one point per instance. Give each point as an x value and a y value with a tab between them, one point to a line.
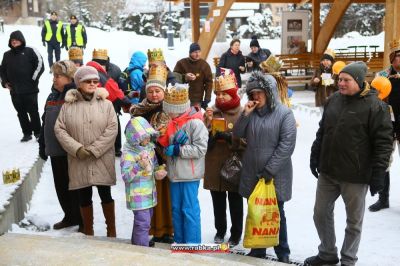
44	43
227	136
265	174
84	46
376	184
314	167
204	104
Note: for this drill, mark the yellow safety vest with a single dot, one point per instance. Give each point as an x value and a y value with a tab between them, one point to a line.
49	32
78	35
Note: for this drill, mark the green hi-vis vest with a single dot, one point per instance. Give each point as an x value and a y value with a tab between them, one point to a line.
78	35
49	32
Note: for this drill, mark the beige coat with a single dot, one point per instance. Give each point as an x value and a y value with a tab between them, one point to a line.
93	125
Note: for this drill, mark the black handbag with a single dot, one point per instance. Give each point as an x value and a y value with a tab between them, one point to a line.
230	170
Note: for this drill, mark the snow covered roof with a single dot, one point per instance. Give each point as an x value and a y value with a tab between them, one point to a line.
240	13
153	6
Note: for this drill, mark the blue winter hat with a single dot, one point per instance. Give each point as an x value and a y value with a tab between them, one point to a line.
194	47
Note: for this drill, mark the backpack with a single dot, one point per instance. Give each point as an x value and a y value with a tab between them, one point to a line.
124	80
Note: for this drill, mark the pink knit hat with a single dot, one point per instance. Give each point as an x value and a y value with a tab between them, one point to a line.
85	73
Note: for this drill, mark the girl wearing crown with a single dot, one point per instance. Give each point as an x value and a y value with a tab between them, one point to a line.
185	145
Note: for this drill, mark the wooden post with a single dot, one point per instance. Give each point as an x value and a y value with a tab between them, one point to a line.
216	15
325	34
316	23
195	15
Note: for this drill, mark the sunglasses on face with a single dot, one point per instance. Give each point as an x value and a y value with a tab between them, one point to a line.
91	81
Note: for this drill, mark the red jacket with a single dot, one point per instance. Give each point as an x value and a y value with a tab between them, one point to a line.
107	82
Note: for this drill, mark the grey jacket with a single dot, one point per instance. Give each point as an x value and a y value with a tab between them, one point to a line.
271	139
190	164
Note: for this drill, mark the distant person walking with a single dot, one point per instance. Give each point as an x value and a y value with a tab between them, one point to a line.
21	69
197	72
53	36
233	59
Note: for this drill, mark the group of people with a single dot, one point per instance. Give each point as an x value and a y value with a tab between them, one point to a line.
171	144
55	36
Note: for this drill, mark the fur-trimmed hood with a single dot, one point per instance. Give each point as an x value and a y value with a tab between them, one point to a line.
75	95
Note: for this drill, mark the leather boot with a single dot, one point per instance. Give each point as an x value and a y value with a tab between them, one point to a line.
382	203
87	217
109	214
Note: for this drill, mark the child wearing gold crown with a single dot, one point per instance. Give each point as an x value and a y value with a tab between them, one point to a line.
185	145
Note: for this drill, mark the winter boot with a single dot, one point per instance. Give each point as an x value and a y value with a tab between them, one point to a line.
109	214
87	217
317	261
382	203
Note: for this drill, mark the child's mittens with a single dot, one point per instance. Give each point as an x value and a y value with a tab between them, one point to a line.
172	150
160	174
181	137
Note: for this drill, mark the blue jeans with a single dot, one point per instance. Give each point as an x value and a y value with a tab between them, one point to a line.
281	250
185	212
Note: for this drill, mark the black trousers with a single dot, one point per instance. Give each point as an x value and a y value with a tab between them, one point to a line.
69	199
384	194
85	195
235	209
53	47
118	140
26	106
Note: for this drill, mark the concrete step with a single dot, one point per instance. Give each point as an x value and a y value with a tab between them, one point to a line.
21	249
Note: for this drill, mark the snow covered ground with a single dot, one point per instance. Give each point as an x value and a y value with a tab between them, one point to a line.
379	244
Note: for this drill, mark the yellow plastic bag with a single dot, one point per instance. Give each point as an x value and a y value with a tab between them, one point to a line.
262	222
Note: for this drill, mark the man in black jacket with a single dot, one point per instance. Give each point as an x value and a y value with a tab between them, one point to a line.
351	151
21	69
257	55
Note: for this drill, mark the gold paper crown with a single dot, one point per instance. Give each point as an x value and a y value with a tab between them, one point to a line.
330	52
226	82
177	94
75	53
100	54
271	65
155	56
394	46
158	72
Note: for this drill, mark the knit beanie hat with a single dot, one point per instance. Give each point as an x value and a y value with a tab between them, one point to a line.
176	99
357	70
157	77
254	42
194	47
85	73
66	68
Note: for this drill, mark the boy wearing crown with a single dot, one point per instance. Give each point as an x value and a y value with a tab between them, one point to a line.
185	145
197	72
393	74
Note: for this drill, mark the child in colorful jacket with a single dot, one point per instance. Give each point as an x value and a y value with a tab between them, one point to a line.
185	143
139	167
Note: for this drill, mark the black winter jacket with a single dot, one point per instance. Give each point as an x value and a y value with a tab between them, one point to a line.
354	140
47	140
257	58
232	61
21	67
